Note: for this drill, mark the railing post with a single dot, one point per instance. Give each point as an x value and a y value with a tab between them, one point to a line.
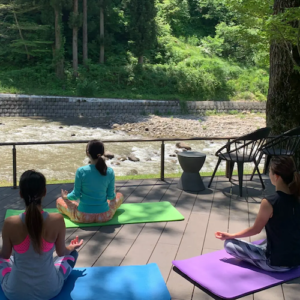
228	163
14	153
162	161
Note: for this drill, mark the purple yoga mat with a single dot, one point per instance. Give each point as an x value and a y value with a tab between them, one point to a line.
228	277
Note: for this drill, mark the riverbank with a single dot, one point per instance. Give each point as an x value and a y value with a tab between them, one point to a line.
189	126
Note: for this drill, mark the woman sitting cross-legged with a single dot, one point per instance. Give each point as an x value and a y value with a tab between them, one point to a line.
32	273
94	188
280	215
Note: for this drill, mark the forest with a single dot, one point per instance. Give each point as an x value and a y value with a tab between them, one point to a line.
136	49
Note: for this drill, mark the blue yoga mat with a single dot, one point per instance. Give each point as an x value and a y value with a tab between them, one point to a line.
114	283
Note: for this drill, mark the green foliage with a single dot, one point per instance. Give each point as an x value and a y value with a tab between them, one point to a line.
141	25
192	49
86	88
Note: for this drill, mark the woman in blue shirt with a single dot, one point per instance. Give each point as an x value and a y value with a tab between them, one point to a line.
94	188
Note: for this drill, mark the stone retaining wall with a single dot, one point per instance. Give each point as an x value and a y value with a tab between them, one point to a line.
52	106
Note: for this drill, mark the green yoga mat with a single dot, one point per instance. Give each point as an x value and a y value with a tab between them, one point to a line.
128	213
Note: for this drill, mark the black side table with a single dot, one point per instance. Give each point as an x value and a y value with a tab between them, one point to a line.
191	163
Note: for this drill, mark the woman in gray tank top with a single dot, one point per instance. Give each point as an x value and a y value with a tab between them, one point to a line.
31	273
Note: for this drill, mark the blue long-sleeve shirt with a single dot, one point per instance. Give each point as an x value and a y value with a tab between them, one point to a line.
93	189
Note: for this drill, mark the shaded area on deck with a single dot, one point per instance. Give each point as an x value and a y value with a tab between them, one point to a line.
218	208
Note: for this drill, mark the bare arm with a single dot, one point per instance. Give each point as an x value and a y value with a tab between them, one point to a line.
264	214
6	242
60	244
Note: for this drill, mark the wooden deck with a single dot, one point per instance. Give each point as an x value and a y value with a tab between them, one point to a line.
218	208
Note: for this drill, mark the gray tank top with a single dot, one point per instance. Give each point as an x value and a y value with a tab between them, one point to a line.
33	276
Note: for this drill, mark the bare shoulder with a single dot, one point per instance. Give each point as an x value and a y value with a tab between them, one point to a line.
12	224
13	220
56	217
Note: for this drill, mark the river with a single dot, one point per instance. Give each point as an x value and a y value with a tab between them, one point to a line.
59	162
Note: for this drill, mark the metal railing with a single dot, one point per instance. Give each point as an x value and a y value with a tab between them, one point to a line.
162	162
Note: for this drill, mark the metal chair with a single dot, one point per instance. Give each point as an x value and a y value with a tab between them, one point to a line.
285	144
245	150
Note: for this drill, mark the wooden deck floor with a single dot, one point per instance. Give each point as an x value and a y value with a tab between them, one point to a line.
218	208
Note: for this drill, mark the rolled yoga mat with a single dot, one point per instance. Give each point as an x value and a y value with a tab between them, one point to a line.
113	283
128	213
221	274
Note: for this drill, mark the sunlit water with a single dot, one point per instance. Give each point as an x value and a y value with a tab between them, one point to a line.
61	161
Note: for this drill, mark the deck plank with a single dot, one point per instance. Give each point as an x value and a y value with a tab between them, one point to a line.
126	234
218	208
291	289
191	243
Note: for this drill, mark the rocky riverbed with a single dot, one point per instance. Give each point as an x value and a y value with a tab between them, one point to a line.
190	126
61	161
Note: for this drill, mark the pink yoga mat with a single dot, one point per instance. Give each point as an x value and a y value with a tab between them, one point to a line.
228	277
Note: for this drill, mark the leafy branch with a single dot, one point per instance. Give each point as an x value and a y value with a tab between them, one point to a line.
288	46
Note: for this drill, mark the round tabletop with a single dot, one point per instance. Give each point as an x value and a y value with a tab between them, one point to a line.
191	154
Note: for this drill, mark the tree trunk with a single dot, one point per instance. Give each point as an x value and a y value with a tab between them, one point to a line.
141	59
84	33
59	59
75	41
101	59
283	109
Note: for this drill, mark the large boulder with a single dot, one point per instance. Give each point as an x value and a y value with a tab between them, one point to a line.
132	157
183	145
109	155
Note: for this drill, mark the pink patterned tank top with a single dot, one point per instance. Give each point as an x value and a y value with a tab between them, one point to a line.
24	246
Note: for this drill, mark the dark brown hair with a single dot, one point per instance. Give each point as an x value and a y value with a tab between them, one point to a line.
284	166
95	149
32	190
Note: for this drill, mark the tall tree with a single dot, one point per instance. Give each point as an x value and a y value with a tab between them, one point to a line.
59	45
280	25
101	57
141	26
19	28
84	33
20	33
74	23
283	109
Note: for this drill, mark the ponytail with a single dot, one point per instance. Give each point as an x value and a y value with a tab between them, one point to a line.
294	186
34	224
101	165
95	149
32	190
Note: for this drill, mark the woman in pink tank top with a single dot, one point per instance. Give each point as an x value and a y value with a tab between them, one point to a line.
34	235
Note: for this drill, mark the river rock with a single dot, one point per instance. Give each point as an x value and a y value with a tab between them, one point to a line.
148	159
172	155
115	163
60	127
114	126
109	155
132	172
122	158
73	134
132	157
183	145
